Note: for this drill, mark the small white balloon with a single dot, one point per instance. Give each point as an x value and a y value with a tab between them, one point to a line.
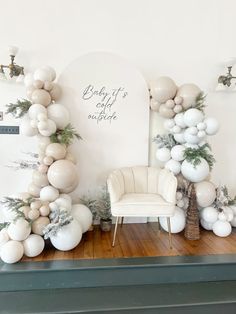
170	103
35	110
206	225
179	120
192	130
169	123
210	214
178	221
33	245
49	194
178	108
222	228
174	166
201	126
176	129
51	128
178	100
12	252
163	154
26	128
179	195
212	126
19	230
177	152
201	134
191	139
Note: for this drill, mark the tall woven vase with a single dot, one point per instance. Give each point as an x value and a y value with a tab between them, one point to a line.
192	230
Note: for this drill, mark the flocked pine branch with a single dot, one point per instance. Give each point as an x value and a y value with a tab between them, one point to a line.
223	198
19	109
103	205
89	202
23	164
4	225
58	218
194	155
65	136
165	140
14	205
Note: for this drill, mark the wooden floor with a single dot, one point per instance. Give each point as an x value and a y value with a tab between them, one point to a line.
139	240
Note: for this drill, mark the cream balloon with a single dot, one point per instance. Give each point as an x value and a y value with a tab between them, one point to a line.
41	96
56	151
67	237
35	110
33	245
154	105
59	114
38	84
19	230
189	93
43	74
36	204
51	128
33	214
49	194
26	128
39	224
44	210
163	89
12	252
39	179
50	72
34	190
56	92
195	173
83	215
166	112
62	174
70	188
205	193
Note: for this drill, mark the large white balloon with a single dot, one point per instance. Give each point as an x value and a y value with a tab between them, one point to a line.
177	221
68	236
189	93
33	245
19	230
206	193
209	214
62	174
59	114
163	154
49	194
12	252
193	116
83	215
163	88
179	120
177	152
195	173
222	228
212	126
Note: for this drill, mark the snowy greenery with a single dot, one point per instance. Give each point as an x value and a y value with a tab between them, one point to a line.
14	205
165	140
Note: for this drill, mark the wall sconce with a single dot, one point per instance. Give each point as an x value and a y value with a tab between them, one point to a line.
225	81
12	70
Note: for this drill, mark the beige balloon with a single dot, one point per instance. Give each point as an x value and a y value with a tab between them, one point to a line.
25	210
56	92
166	112
69	156
34	190
62	174
39	224
38	84
48	86
188	92
39	179
29	91
163	88
70	188
154	105
41	96
33	214
44	210
56	151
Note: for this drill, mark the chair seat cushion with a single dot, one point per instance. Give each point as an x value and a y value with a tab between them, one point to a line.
142	205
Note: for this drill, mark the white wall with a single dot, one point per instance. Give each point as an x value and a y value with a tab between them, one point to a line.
184	39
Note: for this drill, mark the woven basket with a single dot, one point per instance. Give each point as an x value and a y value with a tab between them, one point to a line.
192	230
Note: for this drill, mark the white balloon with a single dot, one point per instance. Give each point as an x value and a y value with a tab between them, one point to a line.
59	114
68	236
180	138
233	222
201	126
205	193
193	116
51	128
212	126
177	152
4	238
83	215
201	134
29	79
62	174
191	139
49	194
177	221
39	179
163	154
222	228
26	128
43	74
19	230
51	71
179	120
176	129
195	173
222	216
192	130
12	252
173	165
169	123
206	225
229	213
35	110
63	203
33	245
209	214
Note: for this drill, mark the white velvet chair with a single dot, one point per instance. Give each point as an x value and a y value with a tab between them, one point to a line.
142	192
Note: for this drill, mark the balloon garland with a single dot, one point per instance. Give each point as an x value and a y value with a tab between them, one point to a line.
185	152
45	210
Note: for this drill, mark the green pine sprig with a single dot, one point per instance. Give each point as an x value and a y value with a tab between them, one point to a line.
194	155
65	136
165	140
19	109
4	225
14	205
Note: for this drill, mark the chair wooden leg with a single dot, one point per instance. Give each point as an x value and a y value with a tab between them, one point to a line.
115	231
158	226
122	221
169	231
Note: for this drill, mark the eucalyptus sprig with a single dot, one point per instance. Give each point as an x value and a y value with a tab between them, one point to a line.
194	155
165	140
14	205
65	136
19	109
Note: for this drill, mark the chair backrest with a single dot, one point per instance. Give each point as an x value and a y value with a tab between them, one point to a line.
138	179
